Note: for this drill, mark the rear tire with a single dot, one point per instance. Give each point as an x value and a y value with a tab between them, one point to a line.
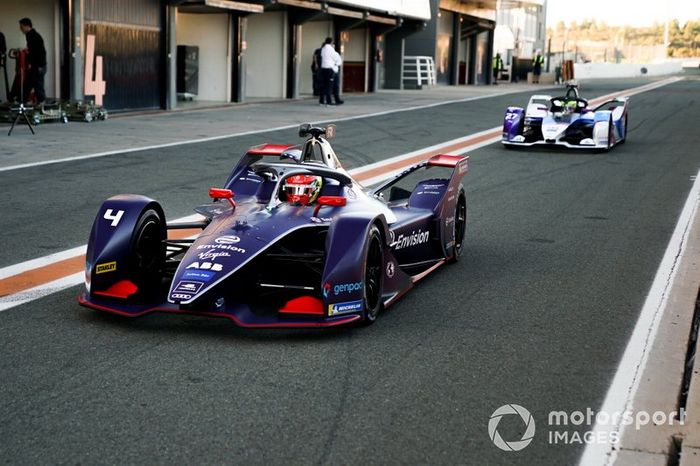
460	227
147	250
373	276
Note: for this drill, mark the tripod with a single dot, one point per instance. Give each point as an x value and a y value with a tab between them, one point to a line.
21	113
21	109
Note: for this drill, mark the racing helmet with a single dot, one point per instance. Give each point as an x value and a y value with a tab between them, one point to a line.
303	189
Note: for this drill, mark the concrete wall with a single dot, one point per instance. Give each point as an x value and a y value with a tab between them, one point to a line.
44	15
313	34
266	55
623	70
210	32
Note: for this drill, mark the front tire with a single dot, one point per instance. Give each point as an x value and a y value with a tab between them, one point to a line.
373	275
147	250
610	134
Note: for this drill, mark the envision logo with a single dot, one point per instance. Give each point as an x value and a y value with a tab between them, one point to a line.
404	241
516	445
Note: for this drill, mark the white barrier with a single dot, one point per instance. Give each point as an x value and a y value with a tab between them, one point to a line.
624	70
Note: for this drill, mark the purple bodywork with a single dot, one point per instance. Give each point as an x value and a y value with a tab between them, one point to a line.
269	263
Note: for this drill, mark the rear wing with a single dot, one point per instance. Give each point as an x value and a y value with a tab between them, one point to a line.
459	164
612	103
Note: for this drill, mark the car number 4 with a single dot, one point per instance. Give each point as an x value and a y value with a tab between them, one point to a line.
114	217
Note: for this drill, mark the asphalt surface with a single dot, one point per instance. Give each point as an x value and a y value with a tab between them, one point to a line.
562	248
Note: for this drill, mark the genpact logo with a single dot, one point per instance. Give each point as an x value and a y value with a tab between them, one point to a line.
347	288
327	290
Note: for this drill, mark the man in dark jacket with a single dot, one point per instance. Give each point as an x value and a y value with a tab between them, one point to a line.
36	61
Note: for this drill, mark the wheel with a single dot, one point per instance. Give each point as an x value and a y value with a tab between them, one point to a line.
374	276
147	251
460	227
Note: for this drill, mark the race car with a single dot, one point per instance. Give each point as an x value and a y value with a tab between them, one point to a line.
566	121
291	240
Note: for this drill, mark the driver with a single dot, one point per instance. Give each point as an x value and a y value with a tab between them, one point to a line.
570	106
303	189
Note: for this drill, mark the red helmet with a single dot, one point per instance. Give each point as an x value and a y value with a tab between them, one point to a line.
303	189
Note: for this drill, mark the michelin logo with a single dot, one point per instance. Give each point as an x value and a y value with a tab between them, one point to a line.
404	241
344	308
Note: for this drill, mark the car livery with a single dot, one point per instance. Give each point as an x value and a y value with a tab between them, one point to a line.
263	259
566	121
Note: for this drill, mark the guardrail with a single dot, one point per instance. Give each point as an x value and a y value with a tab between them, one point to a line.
418	70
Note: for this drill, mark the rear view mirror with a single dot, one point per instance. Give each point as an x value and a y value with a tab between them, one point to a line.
304	129
221	193
330	131
333	201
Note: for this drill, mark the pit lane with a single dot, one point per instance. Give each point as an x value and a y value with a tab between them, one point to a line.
561	250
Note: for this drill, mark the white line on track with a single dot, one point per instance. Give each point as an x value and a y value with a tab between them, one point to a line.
627	377
37	292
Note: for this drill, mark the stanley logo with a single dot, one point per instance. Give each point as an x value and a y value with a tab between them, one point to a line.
106	267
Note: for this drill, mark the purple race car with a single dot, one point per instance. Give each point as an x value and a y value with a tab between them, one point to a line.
299	244
566	121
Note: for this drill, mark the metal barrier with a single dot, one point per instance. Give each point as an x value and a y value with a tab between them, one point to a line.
419	70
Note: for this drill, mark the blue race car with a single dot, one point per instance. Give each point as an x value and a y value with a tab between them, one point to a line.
566	121
291	240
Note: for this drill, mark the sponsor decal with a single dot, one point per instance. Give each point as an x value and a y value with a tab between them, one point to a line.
226	247
463	166
346	288
212	255
327	290
414	239
202	275
188	287
433	186
254	180
390	269
344	308
205	266
228	239
181	296
321	219
106	267
392	237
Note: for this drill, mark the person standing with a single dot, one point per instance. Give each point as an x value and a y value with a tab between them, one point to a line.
330	64
36	61
316	71
337	63
497	67
537	63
